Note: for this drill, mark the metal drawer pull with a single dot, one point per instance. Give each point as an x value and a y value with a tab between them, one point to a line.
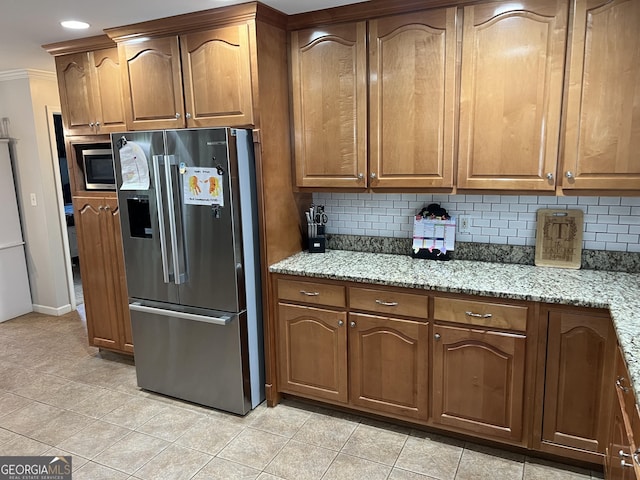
619	381
621	454
479	315
309	294
624	464
387	304
636	456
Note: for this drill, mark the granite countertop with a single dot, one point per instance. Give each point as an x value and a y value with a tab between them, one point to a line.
619	292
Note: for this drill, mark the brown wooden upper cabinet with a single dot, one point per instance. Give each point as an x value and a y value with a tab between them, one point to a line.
214	68
602	134
511	91
329	89
411	110
412	104
91	92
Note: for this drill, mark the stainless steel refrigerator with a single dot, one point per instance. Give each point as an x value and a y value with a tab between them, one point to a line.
188	212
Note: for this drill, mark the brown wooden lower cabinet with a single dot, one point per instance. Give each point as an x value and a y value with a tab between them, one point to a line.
312	347
102	270
389	365
478	381
577	403
458	363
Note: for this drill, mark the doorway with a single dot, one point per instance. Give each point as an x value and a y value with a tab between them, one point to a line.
67	222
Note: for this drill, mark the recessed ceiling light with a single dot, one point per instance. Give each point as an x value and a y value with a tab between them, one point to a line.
76	25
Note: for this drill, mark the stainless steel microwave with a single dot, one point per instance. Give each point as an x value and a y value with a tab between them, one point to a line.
98	169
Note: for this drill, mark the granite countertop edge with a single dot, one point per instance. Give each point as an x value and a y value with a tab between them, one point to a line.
616	291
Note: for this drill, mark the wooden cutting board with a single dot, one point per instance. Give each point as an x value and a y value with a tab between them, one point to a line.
559	238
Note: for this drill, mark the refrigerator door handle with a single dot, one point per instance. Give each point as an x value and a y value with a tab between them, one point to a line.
137	307
171	159
163	237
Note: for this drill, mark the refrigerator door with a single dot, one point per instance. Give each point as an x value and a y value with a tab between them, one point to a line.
210	266
193	354
145	222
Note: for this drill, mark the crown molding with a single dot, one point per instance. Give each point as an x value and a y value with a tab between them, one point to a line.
27	74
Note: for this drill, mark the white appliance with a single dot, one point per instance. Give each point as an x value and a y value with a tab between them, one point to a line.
15	295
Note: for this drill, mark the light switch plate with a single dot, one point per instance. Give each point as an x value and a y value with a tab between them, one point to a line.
464	224
34	202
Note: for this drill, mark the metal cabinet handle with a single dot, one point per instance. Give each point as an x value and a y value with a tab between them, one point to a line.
624	464
360	176
549	176
101	208
437	336
636	456
479	315
309	294
340	323
373	176
97	124
619	384
352	324
91	124
188	116
177	115
569	175
107	208
387	304
621	454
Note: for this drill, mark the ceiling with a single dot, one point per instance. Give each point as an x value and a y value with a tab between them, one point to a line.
26	25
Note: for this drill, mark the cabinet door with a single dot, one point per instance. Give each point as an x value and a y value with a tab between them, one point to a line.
478	381
312	351
74	84
329	89
511	92
107	91
118	276
618	442
217	77
577	384
153	83
602	134
388	365
95	235
412	81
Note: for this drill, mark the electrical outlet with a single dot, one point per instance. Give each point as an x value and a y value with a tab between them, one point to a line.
464	224
34	202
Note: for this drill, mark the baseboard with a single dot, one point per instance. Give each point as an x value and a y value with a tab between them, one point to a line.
51	310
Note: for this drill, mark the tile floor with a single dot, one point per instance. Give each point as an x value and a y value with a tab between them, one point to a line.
58	396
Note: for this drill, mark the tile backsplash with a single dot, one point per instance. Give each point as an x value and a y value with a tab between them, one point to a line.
610	223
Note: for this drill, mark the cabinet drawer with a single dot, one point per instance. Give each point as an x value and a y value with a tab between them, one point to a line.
311	292
495	315
388	302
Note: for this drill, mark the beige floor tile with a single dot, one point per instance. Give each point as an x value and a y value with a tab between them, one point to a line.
282	419
131	452
253	448
301	461
538	469
6	436
268	476
326	431
60	427
95	438
170	424
9	403
399	474
243	420
174	463
135	412
376	444
431	455
209	435
94	471
347	467
38	385
69	394
221	469
30	418
485	462
21	445
101	402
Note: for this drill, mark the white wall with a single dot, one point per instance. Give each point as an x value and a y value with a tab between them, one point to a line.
24	96
610	223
